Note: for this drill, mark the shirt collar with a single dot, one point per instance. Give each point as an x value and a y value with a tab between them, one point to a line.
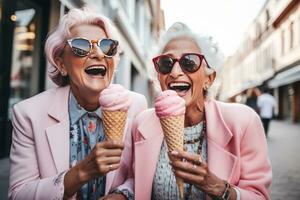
77	112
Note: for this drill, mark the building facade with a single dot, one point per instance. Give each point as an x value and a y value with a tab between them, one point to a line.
269	55
24	28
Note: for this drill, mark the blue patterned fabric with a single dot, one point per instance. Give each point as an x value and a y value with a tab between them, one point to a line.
85	131
164	183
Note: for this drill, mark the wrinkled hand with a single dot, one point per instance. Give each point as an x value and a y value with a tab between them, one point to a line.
192	170
104	157
113	197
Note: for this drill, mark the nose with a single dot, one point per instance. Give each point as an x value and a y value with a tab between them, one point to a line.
96	52
176	70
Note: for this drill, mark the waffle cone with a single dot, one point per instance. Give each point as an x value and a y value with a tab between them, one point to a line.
114	124
173	131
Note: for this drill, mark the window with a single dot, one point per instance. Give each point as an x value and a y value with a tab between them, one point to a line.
267	18
292	35
282	42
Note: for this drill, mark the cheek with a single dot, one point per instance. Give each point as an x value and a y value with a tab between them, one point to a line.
111	68
162	81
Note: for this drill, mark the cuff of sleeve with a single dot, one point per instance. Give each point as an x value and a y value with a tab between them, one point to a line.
238	193
126	192
58	183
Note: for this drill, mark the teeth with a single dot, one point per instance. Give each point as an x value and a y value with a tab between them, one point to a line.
178	84
96	67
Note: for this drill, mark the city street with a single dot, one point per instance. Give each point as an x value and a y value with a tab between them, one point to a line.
284	150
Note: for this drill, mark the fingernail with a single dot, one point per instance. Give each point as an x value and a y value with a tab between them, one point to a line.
174	152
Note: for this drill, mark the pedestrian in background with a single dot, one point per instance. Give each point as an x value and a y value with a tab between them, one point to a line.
59	150
251	101
266	104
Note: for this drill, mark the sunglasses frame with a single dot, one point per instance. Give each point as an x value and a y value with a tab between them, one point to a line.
91	42
200	56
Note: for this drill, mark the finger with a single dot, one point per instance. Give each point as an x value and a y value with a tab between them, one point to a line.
110	144
189	167
108	152
108	160
190	157
189	178
112	167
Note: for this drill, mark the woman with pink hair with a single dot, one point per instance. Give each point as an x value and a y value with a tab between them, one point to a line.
59	149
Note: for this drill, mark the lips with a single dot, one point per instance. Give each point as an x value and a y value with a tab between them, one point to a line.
96	70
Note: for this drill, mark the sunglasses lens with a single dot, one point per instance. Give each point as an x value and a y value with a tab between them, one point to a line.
164	64
109	47
80	47
190	62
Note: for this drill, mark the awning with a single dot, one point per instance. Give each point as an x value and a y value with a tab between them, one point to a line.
286	77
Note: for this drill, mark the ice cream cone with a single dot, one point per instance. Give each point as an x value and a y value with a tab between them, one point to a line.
173	131
114	124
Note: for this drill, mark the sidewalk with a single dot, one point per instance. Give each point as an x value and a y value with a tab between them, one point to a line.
4	174
284	151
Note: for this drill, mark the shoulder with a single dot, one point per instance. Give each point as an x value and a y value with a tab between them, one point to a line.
146	115
236	115
137	97
38	103
138	104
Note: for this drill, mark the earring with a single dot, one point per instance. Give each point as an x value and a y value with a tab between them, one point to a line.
206	87
62	73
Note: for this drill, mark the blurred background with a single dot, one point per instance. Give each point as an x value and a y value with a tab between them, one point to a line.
260	40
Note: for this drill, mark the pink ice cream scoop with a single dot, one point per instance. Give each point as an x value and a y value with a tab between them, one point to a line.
114	97
168	103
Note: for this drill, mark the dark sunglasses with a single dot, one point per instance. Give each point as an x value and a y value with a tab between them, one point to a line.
82	46
189	62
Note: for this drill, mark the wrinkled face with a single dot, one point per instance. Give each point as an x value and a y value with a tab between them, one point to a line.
187	85
92	73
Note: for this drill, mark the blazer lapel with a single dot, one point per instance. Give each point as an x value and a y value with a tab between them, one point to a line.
220	161
152	133
58	134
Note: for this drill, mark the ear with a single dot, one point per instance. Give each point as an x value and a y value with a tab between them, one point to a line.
60	64
210	79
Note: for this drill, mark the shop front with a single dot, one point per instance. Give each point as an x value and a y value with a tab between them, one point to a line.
24	26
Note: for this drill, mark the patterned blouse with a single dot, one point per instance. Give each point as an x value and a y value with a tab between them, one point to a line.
85	131
164	183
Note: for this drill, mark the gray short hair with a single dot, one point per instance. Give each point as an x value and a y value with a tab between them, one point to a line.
208	47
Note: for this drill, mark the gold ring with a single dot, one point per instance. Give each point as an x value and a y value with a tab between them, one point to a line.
199	161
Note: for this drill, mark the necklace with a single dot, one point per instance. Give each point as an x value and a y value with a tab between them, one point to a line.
199	152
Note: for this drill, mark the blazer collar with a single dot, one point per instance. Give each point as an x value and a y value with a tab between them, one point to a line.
216	126
58	133
59	108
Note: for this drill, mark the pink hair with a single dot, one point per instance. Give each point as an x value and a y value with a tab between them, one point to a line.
57	39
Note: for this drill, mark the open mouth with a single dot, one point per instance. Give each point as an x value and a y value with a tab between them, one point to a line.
179	86
96	70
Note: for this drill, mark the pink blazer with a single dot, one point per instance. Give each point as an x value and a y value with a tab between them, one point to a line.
40	146
237	149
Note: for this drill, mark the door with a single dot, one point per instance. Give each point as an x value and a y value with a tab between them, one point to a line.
24	62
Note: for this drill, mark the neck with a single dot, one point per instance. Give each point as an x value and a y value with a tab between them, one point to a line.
194	115
89	101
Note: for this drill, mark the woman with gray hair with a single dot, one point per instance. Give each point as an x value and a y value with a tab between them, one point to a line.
225	151
59	146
